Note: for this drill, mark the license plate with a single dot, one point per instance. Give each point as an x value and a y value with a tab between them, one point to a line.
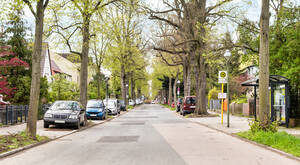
192	106
59	121
93	115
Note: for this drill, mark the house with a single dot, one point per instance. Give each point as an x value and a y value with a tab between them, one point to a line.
52	63
45	62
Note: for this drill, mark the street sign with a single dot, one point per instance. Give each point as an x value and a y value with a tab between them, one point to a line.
222	77
221	95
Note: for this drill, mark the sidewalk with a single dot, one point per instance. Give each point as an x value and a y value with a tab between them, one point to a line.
52	132
237	124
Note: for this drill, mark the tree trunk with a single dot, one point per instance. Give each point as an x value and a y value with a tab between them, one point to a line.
174	87
36	70
264	65
200	60
84	60
98	82
170	98
123	82
132	86
201	88
127	91
186	78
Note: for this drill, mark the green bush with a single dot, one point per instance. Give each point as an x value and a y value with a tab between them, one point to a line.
213	94
256	126
241	99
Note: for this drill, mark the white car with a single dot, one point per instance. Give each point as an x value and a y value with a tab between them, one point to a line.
113	107
131	102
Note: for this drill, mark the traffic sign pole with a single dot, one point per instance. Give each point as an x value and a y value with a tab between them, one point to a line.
222	105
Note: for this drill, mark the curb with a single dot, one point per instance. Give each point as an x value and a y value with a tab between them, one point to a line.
282	153
15	151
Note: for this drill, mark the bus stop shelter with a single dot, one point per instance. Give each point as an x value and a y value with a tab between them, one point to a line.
275	81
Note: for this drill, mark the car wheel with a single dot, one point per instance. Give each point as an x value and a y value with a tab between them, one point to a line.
119	112
46	125
183	113
77	126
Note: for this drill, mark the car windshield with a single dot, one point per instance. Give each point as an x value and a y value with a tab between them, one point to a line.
94	104
64	105
190	100
111	103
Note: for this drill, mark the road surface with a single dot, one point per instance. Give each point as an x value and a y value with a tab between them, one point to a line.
148	135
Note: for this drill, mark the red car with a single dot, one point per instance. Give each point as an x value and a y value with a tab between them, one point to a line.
188	105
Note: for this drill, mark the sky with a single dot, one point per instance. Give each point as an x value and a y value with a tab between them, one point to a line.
250	7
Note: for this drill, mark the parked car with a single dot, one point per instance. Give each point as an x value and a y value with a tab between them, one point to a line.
131	102
95	109
153	102
65	113
178	104
113	106
122	105
138	101
188	105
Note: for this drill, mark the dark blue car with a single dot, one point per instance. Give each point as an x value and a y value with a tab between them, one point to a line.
95	110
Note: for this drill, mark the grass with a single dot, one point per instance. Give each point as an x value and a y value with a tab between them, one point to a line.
14	141
193	115
167	106
279	140
129	107
109	116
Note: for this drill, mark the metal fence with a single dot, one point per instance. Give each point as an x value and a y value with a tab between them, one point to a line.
13	114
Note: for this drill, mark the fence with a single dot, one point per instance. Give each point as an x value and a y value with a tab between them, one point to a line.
13	114
214	104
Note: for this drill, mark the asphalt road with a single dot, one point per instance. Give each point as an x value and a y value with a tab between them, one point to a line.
148	135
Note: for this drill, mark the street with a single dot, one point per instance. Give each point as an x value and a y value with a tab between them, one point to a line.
148	135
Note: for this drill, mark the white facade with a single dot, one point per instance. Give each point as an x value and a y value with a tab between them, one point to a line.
47	68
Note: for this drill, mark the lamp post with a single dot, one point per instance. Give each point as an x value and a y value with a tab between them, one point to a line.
227	55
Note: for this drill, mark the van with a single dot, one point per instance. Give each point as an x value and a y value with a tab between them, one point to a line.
188	105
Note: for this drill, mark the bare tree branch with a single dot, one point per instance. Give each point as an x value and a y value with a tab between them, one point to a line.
31	8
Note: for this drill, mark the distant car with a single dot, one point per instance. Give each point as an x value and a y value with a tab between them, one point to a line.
113	106
65	113
122	105
188	105
178	104
153	102
95	109
131	102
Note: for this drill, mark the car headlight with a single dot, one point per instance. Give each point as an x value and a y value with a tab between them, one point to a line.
73	116
48	115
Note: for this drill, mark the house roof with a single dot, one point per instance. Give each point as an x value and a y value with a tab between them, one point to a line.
54	67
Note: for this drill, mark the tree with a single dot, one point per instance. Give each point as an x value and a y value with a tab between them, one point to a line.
264	65
62	89
194	21
125	47
87	10
100	43
36	58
